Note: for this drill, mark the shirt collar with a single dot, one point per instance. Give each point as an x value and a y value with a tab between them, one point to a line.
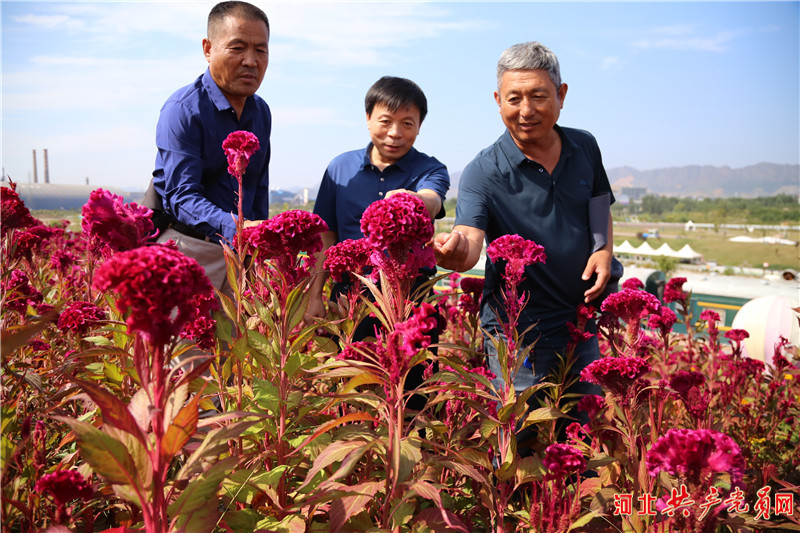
219	99
404	163
516	156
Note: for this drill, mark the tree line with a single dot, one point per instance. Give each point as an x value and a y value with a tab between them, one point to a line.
778	209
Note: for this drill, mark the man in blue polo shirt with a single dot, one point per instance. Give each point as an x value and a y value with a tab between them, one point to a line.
540	181
388	165
191	179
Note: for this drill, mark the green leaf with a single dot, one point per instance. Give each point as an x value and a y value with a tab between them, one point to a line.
337	451
181	429
342	509
410	456
195	510
542	414
114	411
213	445
106	455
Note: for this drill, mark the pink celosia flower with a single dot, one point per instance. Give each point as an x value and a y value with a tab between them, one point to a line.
62	260
158	286
13	212
65	485
355	351
695	454
110	225
562	460
709	316
673	292
79	317
737	335
397	228
630	305
689	386
616	374
633	283
348	256
592	405
239	146
662	320
517	253
414	333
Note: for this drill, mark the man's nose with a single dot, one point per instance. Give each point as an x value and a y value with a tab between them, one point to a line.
395	131
249	58
526	108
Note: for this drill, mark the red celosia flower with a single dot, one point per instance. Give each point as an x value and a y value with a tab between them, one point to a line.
562	460
689	386
517	253
633	283
708	315
33	240
62	260
65	485
662	320
674	292
79	317
348	256
737	335
239	146
19	292
398	225
111	226
158	285
355	351
13	211
630	305
695	454
202	328
616	374
38	345
592	405
472	291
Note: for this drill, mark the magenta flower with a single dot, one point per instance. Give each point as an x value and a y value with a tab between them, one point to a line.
33	240
696	455
616	374
472	291
19	292
399	225
64	486
633	283
517	253
592	405
414	333
662	320
674	292
562	460
111	226
737	335
80	317
159	287
13	212
239	146
346	257
630	305
689	386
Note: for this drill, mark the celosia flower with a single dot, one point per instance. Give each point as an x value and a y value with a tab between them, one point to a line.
414	333
633	283
517	253
110	225
202	328
616	374
696	454
400	226
158	286
662	320
79	317
592	405
62	260
239	146
454	408
348	256
65	485
472	290
38	345
673	292
630	305
33	240
19	292
689	386
355	351
562	460
737	335
13	212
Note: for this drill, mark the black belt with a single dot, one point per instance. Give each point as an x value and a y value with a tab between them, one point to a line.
189	231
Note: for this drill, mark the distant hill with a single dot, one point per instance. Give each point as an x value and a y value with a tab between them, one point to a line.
763	179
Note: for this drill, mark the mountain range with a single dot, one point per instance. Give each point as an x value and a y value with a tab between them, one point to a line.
762	179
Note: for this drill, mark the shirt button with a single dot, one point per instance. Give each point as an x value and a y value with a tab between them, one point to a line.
381	179
380	194
541	170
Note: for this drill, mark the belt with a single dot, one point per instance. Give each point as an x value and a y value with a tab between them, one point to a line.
189	231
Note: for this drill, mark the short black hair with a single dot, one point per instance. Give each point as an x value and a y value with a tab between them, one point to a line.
396	93
235	8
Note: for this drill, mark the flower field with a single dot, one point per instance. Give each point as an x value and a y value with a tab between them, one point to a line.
136	398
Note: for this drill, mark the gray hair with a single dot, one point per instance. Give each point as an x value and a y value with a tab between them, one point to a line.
529	56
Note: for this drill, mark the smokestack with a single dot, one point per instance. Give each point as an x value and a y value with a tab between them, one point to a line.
46	168
35	174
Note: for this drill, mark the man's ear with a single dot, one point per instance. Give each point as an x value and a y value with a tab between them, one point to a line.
206	48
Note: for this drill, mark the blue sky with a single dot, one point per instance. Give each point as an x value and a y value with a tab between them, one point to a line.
658	84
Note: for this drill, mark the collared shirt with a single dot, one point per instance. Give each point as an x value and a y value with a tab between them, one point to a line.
351	182
503	192
191	172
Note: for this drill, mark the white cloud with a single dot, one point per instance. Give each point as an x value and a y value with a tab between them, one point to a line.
686	38
50	21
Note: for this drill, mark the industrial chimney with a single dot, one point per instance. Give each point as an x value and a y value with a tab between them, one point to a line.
46	168
35	174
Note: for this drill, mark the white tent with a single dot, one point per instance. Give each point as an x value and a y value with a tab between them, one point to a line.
625	248
687	254
645	249
664	249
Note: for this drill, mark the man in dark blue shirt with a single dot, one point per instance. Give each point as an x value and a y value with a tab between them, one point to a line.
389	164
191	176
538	180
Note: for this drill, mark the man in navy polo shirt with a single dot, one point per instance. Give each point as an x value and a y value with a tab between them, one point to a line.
538	180
191	177
388	165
